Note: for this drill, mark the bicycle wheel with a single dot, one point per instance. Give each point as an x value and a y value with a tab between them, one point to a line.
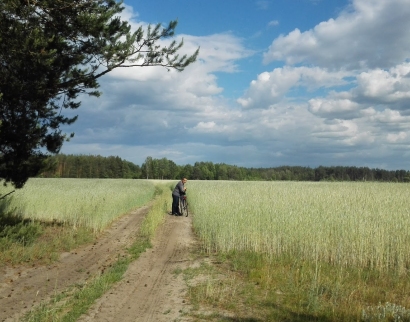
186	207
183	206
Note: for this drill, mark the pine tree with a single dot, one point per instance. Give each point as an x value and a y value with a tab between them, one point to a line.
52	51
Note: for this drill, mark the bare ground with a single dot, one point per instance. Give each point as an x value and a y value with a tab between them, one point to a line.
151	289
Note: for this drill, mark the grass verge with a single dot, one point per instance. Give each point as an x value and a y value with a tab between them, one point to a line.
70	305
35	242
243	286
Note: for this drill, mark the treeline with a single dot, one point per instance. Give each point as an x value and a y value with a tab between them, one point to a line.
87	166
90	166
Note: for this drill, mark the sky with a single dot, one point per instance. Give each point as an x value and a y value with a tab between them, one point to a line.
277	82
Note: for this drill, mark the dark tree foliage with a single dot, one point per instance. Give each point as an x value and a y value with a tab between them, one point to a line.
50	52
90	166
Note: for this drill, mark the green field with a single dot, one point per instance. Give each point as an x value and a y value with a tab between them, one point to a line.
307	251
324	251
91	203
345	224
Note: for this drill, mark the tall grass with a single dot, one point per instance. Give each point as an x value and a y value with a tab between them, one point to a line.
160	207
91	203
344	224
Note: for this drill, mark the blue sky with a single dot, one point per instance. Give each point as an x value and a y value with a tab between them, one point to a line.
277	82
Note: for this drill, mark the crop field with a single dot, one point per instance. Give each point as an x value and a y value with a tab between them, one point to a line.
287	251
363	225
91	203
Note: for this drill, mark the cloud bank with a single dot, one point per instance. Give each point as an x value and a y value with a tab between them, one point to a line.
337	94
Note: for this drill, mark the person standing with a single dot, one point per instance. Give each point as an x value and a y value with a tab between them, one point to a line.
179	191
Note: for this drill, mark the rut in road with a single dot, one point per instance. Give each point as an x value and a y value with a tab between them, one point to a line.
151	290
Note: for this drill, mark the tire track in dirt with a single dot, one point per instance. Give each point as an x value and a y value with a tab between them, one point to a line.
151	289
23	288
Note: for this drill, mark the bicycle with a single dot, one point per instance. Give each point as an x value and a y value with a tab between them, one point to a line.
183	206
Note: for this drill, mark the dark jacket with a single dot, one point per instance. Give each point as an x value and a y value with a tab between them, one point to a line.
179	190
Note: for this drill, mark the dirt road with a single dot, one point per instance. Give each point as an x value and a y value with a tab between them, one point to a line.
151	289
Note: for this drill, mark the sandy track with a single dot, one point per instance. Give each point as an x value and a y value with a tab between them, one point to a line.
151	289
22	288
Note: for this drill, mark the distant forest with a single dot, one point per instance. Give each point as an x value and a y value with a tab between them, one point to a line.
89	166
